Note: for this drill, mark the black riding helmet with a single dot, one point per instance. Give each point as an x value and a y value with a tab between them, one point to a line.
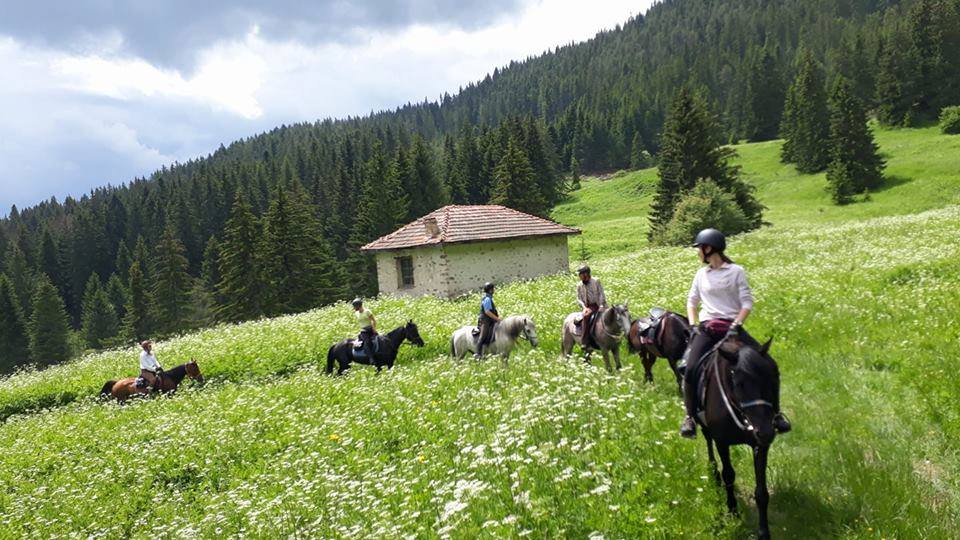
712	238
583	270
357	302
488	287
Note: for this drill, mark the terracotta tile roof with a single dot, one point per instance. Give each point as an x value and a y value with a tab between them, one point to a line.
459	223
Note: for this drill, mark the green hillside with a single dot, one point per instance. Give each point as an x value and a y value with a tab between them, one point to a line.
860	300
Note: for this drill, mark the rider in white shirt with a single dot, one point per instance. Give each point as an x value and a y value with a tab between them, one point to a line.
150	369
722	294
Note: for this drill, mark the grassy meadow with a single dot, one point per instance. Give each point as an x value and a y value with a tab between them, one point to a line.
860	301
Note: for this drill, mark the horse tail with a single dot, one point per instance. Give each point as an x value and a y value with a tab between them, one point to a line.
107	388
330	358
453	346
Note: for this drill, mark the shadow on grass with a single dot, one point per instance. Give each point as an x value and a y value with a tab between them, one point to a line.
794	513
891	181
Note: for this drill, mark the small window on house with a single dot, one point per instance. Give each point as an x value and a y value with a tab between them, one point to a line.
405	272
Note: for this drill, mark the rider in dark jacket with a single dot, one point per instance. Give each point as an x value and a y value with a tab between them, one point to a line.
488	317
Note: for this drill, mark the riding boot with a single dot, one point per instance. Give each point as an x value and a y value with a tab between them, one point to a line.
688	429
479	352
780	422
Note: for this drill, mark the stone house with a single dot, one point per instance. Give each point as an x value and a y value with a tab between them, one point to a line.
457	248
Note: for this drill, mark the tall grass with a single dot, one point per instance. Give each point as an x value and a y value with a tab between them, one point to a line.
860	301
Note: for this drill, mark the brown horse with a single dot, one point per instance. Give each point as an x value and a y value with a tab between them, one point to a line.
738	408
169	381
668	339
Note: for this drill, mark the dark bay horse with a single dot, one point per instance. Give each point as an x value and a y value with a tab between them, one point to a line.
608	329
669	341
170	379
738	408
342	353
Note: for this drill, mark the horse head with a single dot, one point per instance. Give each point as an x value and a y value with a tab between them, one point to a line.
530	331
193	371
413	335
621	316
754	383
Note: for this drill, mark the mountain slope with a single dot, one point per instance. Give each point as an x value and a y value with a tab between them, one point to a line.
860	305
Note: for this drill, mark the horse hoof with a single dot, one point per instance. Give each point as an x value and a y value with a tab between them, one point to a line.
763	535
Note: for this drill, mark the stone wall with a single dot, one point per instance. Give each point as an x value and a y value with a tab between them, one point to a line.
429	272
471	265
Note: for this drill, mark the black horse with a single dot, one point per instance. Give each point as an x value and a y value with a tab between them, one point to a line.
738	408
342	352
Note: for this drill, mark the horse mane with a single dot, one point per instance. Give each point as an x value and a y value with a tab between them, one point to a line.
753	364
177	373
513	325
393	334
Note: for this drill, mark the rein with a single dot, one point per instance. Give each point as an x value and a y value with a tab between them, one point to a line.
617	336
734	410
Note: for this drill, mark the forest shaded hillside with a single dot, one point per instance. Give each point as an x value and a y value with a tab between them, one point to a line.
597	105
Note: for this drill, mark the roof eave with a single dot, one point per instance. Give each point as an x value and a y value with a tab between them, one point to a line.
571	232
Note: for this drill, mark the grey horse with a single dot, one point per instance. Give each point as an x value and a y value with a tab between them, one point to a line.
609	328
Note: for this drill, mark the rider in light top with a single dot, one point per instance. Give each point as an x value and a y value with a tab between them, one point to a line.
488	317
723	296
592	300
368	326
150	369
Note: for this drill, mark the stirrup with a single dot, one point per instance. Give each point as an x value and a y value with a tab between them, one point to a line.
688	429
781	424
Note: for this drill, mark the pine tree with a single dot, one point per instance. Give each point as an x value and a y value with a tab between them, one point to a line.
765	97
382	206
210	270
172	283
690	151
49	328
291	253
123	262
539	152
639	156
136	323
856	165
14	341
805	125
117	292
574	173
425	191
241	284
514	185
20	276
99	319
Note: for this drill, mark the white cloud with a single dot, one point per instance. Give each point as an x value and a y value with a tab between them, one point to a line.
78	120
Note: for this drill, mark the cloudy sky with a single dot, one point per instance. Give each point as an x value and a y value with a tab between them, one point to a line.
100	91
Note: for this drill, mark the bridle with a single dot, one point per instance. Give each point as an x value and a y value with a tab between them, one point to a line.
735	410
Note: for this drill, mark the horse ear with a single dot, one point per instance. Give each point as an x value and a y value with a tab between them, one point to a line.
626	305
766	346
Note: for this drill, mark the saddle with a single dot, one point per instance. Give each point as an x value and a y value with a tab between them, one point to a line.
649	327
475	333
360	353
140	383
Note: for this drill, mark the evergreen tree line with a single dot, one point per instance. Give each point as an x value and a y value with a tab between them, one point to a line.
599	105
235	247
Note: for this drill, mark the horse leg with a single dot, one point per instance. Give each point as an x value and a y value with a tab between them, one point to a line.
616	357
761	494
648	360
676	373
729	475
606	359
712	459
342	365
